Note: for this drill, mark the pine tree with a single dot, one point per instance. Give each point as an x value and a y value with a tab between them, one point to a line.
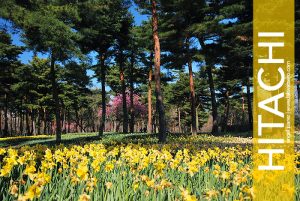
99	25
8	64
158	92
47	29
122	48
144	36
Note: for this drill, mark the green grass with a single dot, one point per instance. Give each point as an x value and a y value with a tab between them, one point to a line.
50	139
228	139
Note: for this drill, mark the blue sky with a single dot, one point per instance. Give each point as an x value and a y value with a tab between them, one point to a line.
26	56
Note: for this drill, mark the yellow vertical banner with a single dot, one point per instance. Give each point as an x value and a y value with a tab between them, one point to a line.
273	62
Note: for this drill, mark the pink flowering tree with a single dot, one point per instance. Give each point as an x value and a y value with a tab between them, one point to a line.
114	109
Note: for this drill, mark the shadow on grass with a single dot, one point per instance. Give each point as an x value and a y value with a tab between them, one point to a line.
50	141
22	140
207	139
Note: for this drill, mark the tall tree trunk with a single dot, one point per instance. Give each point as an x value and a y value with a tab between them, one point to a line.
197	117
5	131
11	122
1	134
179	121
69	120
250	116
15	125
124	101
81	125
192	94
45	121
21	121
77	121
224	127
298	89
33	122
149	125
213	99
211	88
56	99
27	123
131	89
39	122
159	98
65	121
103	93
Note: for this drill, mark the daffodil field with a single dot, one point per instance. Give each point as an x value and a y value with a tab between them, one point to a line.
186	168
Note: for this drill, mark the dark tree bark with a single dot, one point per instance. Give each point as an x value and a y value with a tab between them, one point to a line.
226	115
1	134
56	99
250	116
45	121
15	123
149	125
21	121
103	94
27	123
192	94
33	122
159	98
77	120
211	88
5	130
11	123
192	89
213	99
39	122
69	121
124	101
179	120
65	123
131	89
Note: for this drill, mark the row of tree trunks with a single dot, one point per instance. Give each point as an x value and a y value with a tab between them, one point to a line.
40	121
